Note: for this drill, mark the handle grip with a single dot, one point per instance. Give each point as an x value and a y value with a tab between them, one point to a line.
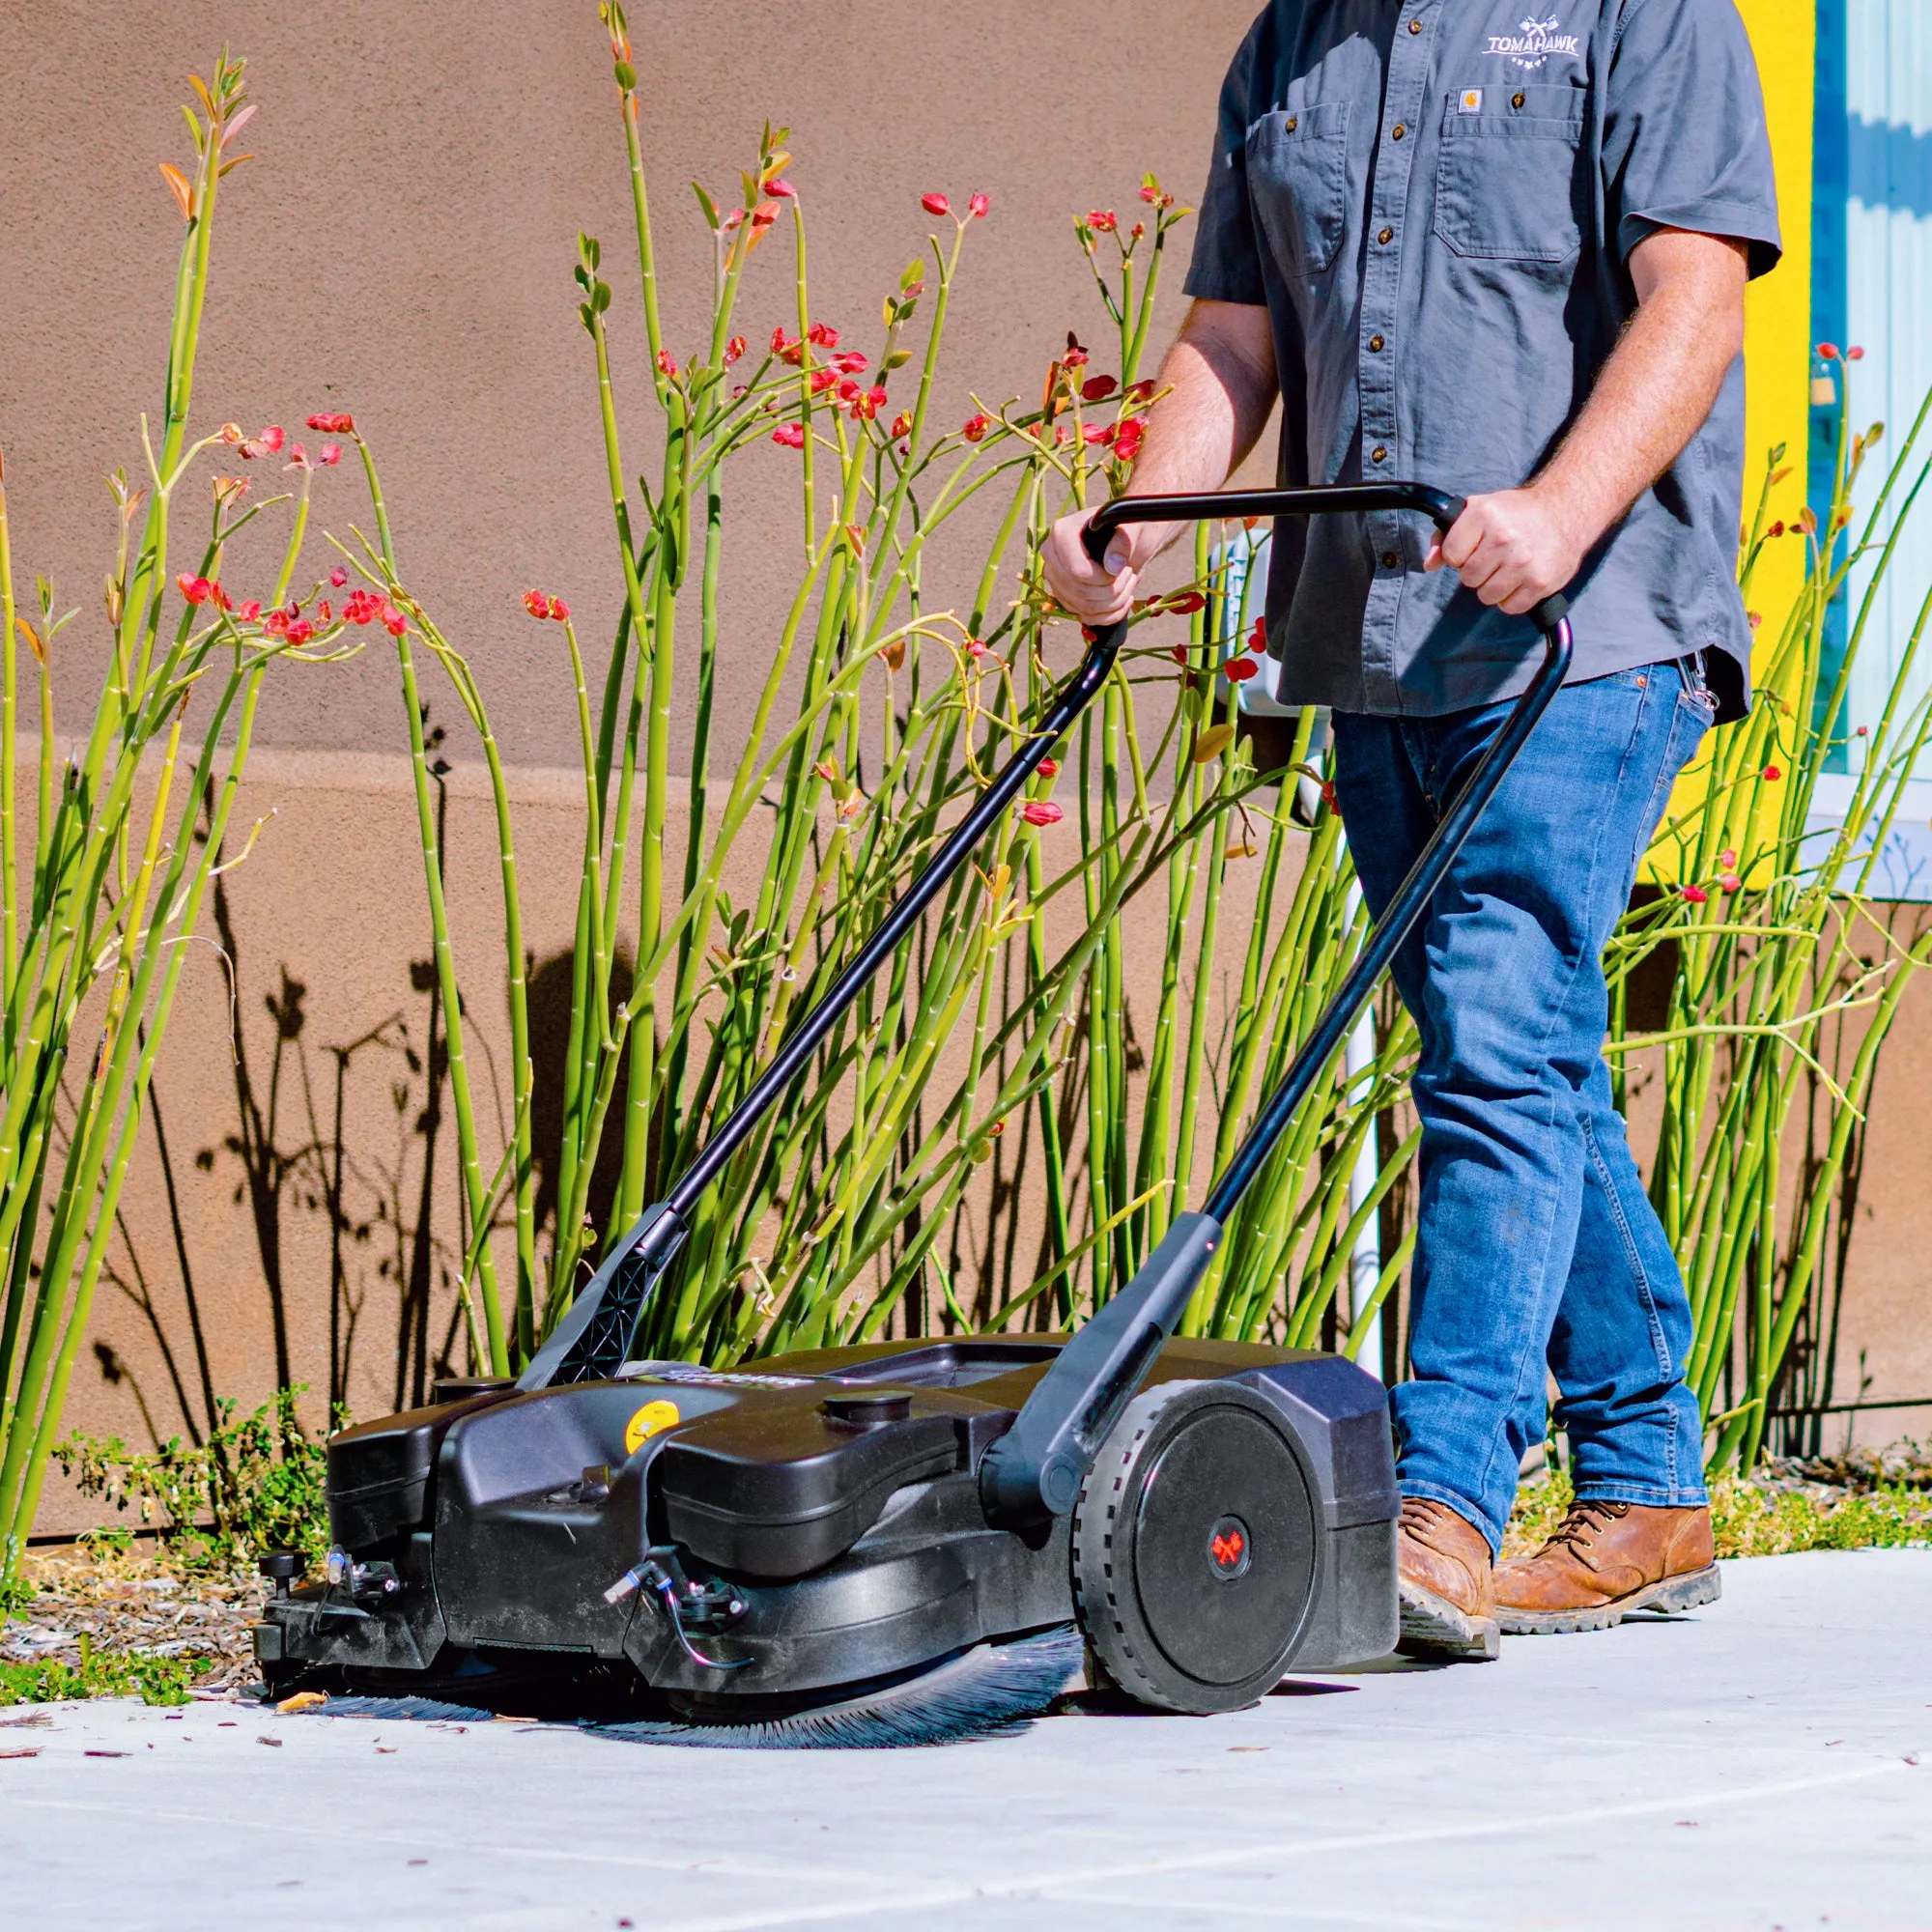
1317	500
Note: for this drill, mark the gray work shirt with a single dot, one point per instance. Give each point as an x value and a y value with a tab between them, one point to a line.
1437	201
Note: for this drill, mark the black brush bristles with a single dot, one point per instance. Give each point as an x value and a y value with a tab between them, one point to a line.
989	1690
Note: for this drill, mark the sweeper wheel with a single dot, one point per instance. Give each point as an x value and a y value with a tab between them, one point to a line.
1195	1549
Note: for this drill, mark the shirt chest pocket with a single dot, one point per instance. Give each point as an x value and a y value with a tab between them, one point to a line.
1298	180
1507	180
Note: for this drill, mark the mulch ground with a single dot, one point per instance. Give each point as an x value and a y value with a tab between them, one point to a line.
127	1603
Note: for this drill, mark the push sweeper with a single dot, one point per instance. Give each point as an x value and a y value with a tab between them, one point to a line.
906	1541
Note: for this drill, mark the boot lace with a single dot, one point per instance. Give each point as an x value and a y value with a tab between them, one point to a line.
1582	1521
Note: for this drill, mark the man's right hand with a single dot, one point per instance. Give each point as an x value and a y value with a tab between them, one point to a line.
1082	587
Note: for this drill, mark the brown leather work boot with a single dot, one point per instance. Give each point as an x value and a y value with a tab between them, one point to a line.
1445	1578
1605	1560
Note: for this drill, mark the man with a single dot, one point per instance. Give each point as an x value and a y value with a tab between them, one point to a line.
1507	257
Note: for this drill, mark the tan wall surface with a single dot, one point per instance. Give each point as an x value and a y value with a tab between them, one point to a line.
402	247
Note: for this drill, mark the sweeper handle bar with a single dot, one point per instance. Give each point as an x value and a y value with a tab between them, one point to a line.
1034	1473
593	1340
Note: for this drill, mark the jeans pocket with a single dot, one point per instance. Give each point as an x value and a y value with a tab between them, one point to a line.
1507	178
1298	176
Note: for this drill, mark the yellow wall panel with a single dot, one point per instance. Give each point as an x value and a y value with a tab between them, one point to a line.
1778	318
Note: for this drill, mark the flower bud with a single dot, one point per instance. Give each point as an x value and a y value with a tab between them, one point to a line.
935	204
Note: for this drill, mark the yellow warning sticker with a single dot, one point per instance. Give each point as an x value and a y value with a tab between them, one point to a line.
653	1419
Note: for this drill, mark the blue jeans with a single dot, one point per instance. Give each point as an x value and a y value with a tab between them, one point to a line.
1536	1246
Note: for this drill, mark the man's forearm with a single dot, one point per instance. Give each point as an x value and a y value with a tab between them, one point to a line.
1218	385
1514	546
1651	395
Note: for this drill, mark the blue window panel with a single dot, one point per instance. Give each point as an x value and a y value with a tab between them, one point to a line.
1884	136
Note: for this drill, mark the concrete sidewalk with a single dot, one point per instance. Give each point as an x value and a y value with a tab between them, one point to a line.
1759	1765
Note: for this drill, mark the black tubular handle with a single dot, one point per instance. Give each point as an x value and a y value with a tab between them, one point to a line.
1036	1470
594	1337
1068	703
1398	917
1317	500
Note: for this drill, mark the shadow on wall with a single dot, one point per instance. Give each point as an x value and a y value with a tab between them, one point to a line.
354	1136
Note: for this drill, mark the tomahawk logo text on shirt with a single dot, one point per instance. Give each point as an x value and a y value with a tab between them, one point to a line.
1534	43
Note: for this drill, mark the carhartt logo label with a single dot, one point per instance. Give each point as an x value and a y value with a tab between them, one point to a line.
1534	43
1471	101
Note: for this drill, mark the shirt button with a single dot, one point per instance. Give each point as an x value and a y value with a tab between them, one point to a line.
1292	119
1386	236
1390	560
1415	26
1516	101
1400	130
1375	343
1377	454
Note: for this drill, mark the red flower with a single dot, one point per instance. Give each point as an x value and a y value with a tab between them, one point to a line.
298	456
1258	636
1828	350
935	204
762	217
1697	895
823	335
849	363
534	602
299	630
1102	220
271	436
265	444
790	434
787	349
1102	433
1097	388
249	611
1141	391
901	425
333	424
1730	882
1048	768
975	649
822	380
559	608
1239	671
196	590
1041	812
338	577
329	454
327	613
1180	655
1728	859
1137	231
1772	774
977	209
733	349
1855	354
391	619
360	606
667	363
782	189
975	427
1185	603
1127	438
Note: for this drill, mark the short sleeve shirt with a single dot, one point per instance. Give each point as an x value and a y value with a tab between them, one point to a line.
1437	202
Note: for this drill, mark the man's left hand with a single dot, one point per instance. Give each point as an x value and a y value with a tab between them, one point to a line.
1512	548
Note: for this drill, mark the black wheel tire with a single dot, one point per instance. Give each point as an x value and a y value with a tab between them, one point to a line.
1195	1549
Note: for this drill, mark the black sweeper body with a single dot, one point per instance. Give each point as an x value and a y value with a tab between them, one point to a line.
734	1545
